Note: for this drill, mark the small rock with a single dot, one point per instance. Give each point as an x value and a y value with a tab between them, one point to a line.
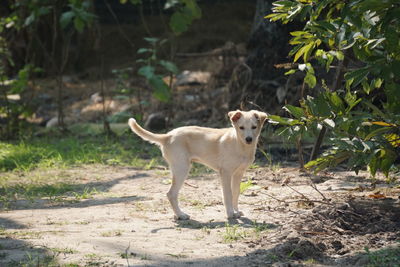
192	78
156	122
96	98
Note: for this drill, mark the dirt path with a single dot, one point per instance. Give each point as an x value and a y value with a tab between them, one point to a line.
121	217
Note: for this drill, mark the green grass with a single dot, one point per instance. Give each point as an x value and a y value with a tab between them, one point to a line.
384	257
233	233
198	169
59	152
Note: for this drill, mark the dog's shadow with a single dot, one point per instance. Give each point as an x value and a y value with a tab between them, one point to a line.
194	224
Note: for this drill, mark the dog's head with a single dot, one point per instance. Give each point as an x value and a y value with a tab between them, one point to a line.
247	124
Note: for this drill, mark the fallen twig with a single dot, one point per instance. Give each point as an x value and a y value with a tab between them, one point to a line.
301	194
314	186
194	186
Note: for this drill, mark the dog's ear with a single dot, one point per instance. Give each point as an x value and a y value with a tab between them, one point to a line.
260	116
234	116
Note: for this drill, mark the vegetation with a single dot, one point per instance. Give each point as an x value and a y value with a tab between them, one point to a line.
348	54
71	151
360	39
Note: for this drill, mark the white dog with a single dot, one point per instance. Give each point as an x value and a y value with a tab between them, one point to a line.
228	151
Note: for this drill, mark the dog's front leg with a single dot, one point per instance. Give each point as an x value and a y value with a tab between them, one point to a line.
236	180
226	178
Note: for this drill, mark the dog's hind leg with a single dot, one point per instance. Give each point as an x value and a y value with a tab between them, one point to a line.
179	171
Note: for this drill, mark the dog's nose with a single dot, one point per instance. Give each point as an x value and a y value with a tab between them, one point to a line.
249	139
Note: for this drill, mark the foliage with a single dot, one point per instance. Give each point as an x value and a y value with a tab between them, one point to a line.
152	66
24	18
384	257
363	114
184	12
79	14
12	107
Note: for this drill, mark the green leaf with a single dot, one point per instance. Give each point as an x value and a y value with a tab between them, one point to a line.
373	165
290	72
379	131
297	112
147	71
308	50
79	24
178	23
336	102
195	11
161	89
310	79
357	76
171	67
284	121
144	50
326	25
66	18
152	40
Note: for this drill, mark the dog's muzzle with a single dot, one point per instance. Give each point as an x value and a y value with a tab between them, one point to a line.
249	140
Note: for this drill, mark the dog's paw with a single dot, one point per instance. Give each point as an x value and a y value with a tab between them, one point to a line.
238	214
235	215
182	216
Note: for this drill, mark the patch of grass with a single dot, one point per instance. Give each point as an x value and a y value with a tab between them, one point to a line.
111	233
271	258
197	204
87	193
384	257
310	262
93	259
34	260
64	250
58	192
145	257
199	169
261	227
25	235
60	152
233	233
177	256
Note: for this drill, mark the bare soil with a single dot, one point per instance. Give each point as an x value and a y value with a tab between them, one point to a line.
123	219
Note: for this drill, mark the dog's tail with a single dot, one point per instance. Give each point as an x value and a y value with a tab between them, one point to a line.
158	139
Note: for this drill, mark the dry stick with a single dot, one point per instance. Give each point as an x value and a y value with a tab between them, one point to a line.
300	152
106	124
296	201
314	186
126	253
301	194
191	185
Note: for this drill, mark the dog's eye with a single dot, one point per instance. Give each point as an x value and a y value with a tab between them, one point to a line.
241	128
254	127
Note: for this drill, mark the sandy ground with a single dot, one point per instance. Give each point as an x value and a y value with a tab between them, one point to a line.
122	218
